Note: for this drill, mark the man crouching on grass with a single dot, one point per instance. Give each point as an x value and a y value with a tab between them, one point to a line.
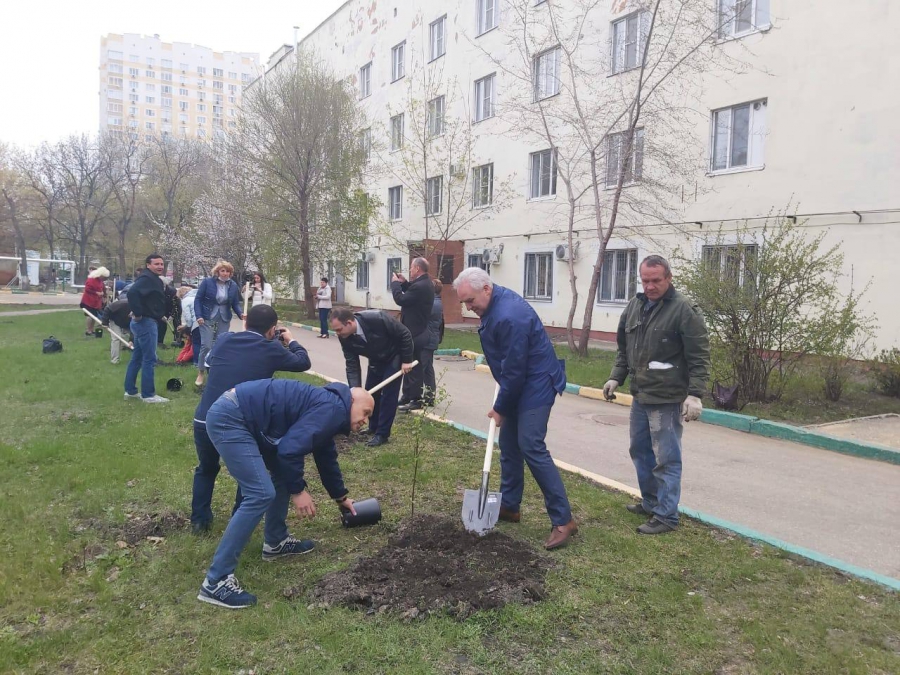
263	431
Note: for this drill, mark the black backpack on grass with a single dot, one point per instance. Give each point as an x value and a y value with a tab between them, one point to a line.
52	345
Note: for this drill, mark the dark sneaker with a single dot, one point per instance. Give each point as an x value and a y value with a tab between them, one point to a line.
408	407
200	529
377	440
290	546
226	593
509	516
654	526
638	510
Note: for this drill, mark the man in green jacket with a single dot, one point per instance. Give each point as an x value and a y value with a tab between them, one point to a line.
664	349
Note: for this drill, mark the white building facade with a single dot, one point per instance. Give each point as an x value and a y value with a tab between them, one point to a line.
808	126
150	88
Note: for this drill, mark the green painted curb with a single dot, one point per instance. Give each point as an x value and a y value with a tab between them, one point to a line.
572	388
447	352
731	420
846	446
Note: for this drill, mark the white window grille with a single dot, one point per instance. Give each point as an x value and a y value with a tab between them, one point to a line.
395	202
546	74
482	186
741	17
618	278
434	195
628	37
543	174
616	147
484	98
538	276
436	116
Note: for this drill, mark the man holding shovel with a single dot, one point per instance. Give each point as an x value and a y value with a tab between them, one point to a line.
530	377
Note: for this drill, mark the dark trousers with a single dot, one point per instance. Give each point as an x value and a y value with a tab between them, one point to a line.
196	344
205	477
161	327
415	379
323	320
382	418
426	358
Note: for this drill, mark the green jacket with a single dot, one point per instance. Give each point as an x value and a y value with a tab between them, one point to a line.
673	333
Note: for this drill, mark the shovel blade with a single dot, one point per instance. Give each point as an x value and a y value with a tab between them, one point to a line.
486	521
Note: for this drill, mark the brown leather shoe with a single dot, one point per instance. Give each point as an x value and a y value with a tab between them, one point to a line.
509	516
560	535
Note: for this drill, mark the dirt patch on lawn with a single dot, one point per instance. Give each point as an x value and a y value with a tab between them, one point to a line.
432	565
137	526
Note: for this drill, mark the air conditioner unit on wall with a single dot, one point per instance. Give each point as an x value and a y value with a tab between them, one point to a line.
492	256
563	254
369	256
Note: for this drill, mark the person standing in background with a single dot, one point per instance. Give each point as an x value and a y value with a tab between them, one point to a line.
146	298
436	336
323	304
93	296
261	292
415	298
217	296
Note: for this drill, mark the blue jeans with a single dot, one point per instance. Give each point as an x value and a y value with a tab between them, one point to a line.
323	320
656	453
263	494
143	358
205	478
522	442
382	418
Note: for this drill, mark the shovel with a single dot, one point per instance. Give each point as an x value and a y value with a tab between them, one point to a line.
120	339
381	385
481	508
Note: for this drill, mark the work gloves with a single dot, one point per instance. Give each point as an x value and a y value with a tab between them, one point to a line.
691	408
609	389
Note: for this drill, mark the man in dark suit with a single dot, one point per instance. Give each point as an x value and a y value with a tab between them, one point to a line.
253	354
416	299
389	347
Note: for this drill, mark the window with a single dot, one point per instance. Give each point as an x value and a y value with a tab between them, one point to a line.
149	99
165	89
114	121
134	98
487	16
543	174
538	276
166	102
201	70
184	66
150	126
182	105
166	63
182	91
365	142
618	278
393	267
132	110
201	83
114	93
362	275
398	69
201	107
201	120
150	112
740	17
218	72
134	57
218	98
133	72
445	269
546	74
437	31
113	54
150	86
166	115
737	136
484	98
365	80
201	133
201	95
245	78
133	124
218	85
116	68
482	186
477	260
735	263
114	81
113	107
232	88
616	146
232	75
628	37
133	86
165	77
151	61
183	118
436	116
232	100
433	195
396	132
217	110
395	202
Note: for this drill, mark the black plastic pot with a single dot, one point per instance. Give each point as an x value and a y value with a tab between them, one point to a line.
368	512
174	384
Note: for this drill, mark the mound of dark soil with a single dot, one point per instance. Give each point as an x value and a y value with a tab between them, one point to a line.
433	565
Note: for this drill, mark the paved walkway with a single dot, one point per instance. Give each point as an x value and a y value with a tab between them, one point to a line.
842	507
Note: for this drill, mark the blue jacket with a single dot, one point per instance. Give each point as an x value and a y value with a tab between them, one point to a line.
519	354
205	300
243	357
291	419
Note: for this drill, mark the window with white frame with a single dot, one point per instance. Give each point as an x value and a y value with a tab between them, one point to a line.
433	195
201	95
150	86
365	142
114	81
732	263
628	38
394	265
201	107
113	54
150	126
362	275
113	107
201	133
218	72
150	112
165	77
397	132
114	93
477	260
114	121
183	118
538	276
166	63
395	202
165	89
232	75
484	97
232	88
116	68
182	91
546	73
151	61
738	135
482	186
184	66
133	124
487	16
166	102
245	78
134	85
149	99
201	70
201	120
183	105
622	158
543	174
436	116
134	98
134	72
618	277
437	31
398	67
150	73
133	110
741	17
365	80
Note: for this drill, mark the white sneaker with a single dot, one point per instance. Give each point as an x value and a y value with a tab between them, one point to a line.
128	396
155	399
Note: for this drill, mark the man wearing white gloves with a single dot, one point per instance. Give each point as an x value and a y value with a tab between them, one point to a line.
664	350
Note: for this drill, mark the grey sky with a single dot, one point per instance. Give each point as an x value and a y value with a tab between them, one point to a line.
50	50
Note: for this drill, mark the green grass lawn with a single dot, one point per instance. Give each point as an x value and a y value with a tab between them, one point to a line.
26	307
78	460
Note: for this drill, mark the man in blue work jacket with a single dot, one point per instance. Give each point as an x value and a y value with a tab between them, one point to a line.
524	364
263	430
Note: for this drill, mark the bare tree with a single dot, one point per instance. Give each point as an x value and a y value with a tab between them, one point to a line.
298	140
12	187
45	193
618	113
126	162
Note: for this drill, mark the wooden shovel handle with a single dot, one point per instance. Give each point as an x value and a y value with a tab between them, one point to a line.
492	431
381	385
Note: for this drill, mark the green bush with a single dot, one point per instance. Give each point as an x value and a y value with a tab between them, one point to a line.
887	372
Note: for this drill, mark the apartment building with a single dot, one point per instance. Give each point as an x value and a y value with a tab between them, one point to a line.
149	87
808	126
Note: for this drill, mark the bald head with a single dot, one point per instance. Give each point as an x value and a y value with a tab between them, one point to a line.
361	407
418	268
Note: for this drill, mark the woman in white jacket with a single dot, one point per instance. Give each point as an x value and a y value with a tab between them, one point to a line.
262	292
189	321
323	303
